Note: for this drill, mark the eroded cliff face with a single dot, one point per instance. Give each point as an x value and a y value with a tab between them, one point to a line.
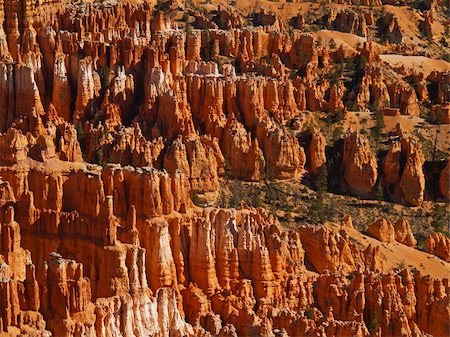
86	254
142	92
115	117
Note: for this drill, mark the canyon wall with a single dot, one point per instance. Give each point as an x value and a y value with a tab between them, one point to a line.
116	117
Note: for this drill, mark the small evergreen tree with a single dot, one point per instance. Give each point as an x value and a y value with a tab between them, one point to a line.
377	130
373	325
237	194
440	218
379	192
318	42
332	44
309	313
318	210
361	64
80	132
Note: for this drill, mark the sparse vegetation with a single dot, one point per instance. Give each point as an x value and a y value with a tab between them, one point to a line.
319	209
332	44
196	199
80	132
373	325
99	157
104	74
440	218
237	194
309	313
318	42
400	266
377	130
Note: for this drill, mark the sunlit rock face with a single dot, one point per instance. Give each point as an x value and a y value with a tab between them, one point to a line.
120	126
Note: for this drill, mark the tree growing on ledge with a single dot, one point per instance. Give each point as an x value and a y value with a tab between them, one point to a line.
377	129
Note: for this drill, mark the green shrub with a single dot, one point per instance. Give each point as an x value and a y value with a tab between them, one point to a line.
80	132
332	44
439	218
373	325
377	130
309	313
237	194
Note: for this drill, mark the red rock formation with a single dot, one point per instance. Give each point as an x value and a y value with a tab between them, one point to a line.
227	18
382	230
317	157
285	158
412	182
407	185
428	290
206	163
373	89
405	98
442	113
236	145
113	116
61	96
439	245
88	89
240	246
264	18
14	147
347	21
360	164
426	24
391	28
441	80
20	296
337	251
69	146
403	233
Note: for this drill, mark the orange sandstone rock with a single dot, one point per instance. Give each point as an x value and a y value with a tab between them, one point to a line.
439	245
403	233
112	117
360	164
405	185
382	230
317	155
237	144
